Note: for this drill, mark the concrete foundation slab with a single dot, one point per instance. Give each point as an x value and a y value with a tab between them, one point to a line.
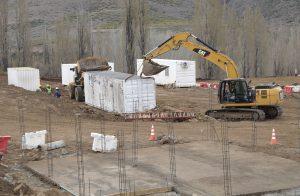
199	170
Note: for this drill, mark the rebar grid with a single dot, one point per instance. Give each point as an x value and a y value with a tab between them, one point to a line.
131	188
121	163
210	133
79	154
172	156
49	141
226	159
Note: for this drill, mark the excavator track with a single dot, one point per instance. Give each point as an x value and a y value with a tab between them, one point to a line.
237	114
272	112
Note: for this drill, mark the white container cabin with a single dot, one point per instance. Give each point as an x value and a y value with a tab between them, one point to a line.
25	77
181	73
119	92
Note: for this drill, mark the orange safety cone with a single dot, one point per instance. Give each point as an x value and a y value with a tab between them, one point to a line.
273	140
152	134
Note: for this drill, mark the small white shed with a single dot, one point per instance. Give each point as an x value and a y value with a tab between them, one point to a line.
24	77
67	75
119	92
182	73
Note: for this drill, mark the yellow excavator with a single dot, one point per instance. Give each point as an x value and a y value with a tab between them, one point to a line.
239	101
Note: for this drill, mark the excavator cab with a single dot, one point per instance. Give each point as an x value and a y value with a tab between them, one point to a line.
235	91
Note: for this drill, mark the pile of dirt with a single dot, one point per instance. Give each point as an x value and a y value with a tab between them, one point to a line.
24	189
53	192
167	139
6	188
93	63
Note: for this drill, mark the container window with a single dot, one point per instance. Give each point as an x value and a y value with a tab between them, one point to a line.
167	72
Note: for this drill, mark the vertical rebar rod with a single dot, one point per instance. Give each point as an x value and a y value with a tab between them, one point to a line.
172	156
210	98
299	133
135	136
167	184
121	163
102	127
213	132
254	135
226	159
22	127
49	141
79	153
89	186
206	131
210	133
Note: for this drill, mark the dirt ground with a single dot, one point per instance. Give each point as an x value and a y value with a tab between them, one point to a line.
186	99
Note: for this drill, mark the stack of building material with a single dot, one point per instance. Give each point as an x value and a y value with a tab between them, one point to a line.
119	92
67	75
24	77
181	73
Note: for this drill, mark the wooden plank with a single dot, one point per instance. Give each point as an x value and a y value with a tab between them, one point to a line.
146	192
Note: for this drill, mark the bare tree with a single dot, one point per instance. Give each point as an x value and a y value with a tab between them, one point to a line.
278	59
23	32
142	26
84	30
208	25
3	35
130	9
64	48
46	53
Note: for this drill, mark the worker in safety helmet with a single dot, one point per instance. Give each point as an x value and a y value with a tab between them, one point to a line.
57	92
48	89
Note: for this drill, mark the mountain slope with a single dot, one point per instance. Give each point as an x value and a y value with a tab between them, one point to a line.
275	11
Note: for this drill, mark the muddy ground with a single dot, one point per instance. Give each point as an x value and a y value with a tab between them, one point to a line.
187	99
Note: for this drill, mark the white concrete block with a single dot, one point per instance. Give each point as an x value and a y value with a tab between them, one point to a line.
101	143
33	139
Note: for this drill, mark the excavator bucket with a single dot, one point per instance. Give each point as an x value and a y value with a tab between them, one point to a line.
151	68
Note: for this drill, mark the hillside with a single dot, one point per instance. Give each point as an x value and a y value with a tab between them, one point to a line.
275	11
163	19
108	13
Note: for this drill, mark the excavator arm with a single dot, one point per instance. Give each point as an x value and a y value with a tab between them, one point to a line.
204	50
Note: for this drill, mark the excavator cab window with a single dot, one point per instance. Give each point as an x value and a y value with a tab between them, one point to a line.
235	91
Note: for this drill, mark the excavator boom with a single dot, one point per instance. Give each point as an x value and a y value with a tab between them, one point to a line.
204	50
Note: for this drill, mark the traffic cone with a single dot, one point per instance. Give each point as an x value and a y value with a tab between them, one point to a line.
152	134
273	140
